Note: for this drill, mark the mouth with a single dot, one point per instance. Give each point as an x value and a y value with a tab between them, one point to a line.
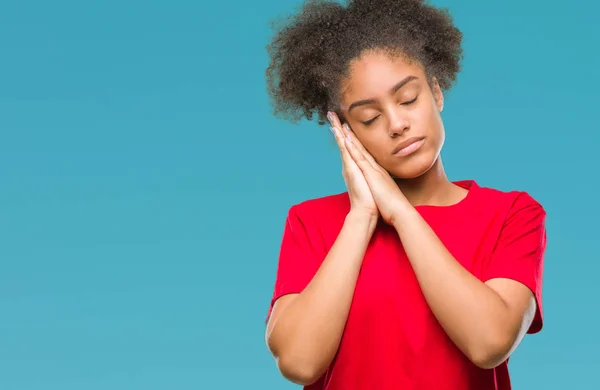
409	146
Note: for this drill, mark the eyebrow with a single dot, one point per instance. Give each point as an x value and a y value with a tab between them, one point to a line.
394	89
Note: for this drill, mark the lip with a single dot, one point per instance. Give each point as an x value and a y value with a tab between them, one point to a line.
409	146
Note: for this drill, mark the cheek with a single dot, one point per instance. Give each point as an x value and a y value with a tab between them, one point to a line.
429	120
435	134
375	145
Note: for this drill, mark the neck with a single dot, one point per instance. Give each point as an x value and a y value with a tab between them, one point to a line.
431	188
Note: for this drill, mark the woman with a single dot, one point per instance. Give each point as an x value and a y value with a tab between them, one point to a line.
407	280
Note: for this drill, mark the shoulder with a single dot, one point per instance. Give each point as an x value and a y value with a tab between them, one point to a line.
323	213
323	205
509	202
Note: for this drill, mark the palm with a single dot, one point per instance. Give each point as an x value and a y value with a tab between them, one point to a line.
387	196
358	189
361	197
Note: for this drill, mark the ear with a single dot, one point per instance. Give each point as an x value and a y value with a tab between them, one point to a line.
437	94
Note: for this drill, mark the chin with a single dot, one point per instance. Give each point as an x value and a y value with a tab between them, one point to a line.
412	167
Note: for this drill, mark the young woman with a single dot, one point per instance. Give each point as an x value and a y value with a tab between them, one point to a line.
407	280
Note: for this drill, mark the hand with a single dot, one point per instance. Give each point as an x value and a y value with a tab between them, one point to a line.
361	199
388	197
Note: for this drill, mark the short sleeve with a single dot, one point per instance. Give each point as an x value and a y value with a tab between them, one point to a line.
297	262
519	251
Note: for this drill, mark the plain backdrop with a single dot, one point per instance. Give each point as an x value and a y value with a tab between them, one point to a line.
145	184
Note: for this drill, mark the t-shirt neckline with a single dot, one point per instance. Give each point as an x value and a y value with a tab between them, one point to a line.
471	187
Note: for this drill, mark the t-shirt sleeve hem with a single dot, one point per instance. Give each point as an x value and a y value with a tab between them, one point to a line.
538	319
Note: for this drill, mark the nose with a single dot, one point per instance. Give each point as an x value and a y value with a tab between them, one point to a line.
398	123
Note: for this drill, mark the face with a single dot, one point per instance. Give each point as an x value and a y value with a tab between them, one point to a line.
394	111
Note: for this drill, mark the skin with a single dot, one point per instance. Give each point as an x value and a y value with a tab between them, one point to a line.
486	321
394	117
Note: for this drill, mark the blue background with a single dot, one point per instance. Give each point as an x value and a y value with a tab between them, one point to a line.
145	184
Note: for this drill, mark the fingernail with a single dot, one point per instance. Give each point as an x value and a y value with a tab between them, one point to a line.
329	116
332	130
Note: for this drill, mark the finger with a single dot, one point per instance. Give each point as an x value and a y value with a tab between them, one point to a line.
361	147
349	133
357	155
339	134
336	129
342	132
333	119
363	150
347	161
339	139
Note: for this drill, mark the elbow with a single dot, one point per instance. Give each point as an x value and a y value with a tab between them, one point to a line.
487	361
300	365
299	371
491	354
294	366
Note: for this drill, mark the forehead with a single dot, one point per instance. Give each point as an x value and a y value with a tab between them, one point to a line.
374	73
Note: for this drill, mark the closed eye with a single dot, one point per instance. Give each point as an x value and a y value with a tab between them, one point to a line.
410	101
367	123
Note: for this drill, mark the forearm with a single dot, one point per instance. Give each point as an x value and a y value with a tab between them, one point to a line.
473	315
306	335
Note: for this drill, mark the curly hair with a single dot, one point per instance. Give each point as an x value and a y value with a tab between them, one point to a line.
311	51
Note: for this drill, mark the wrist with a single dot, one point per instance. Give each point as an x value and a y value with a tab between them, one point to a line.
363	217
402	213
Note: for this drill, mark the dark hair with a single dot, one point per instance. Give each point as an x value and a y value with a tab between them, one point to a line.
311	50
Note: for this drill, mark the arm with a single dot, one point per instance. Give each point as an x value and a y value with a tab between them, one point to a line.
486	321
304	330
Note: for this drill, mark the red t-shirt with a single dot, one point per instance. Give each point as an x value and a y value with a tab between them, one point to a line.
392	339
